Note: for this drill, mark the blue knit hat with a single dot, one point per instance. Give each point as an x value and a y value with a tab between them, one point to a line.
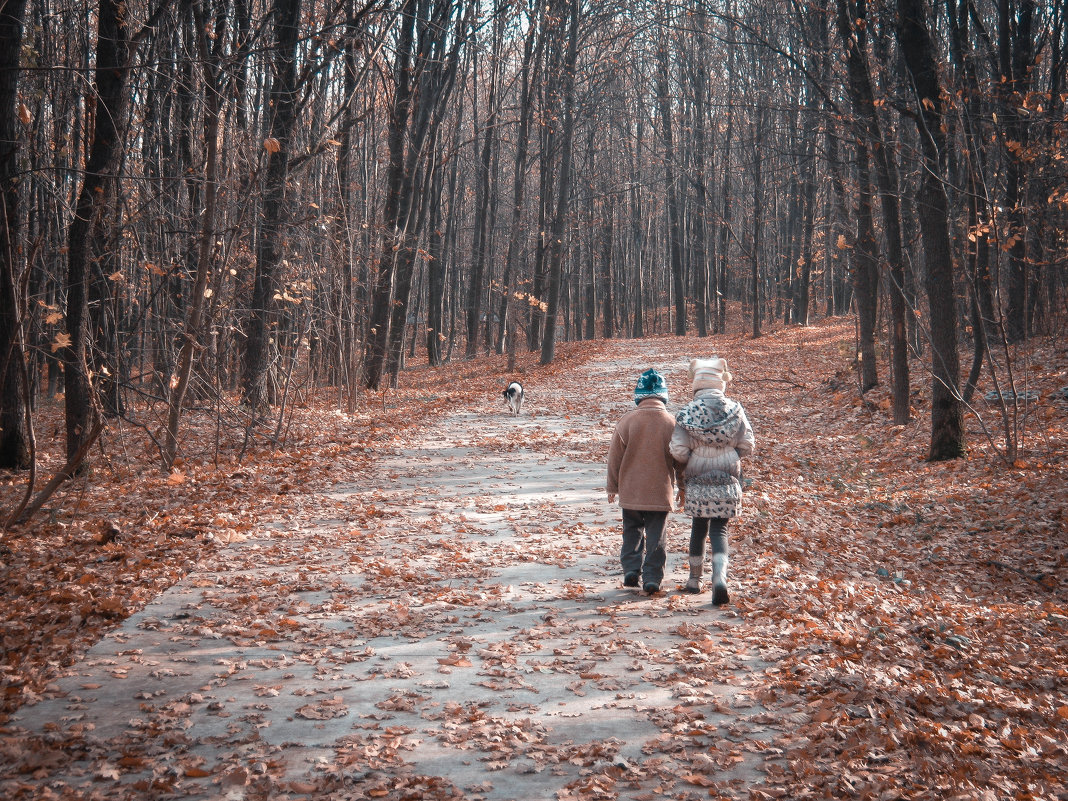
651	385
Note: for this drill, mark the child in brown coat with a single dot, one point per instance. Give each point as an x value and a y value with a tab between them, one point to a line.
642	472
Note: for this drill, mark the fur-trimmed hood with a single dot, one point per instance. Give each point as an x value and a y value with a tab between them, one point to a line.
713	418
712	434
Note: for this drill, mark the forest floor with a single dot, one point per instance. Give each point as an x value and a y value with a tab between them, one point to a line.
422	600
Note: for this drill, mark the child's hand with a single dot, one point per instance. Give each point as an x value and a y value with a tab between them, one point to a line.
611	497
680	499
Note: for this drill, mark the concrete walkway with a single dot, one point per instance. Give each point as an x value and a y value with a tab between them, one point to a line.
459	632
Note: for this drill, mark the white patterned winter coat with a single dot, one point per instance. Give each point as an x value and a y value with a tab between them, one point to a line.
711	435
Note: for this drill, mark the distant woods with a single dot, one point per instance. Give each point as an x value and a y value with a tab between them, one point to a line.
224	202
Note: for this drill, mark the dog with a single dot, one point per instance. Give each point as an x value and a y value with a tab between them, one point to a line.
513	396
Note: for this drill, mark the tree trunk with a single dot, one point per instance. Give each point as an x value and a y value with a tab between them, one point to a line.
637	330
343	245
563	185
607	280
441	247
14	429
866	279
802	293
531	59
852	24
536	308
699	80
867	275
758	219
483	227
725	219
405	272
91	213
263	319
664	98
1016	59
947	424
435	266
786	299
977	249
374	357
192	335
840	294
435	67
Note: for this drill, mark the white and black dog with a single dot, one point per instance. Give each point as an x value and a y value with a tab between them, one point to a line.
513	396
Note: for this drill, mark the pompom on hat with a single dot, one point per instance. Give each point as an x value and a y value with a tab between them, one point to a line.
650	385
710	374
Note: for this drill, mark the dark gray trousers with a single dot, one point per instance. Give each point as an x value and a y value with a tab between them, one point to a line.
643	545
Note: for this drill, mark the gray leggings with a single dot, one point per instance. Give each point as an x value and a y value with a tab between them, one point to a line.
715	528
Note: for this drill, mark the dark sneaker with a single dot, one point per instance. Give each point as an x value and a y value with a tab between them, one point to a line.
651	589
720	596
630	580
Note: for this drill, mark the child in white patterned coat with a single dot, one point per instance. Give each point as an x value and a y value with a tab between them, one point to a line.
712	434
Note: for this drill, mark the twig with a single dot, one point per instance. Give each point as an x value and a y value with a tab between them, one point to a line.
1036	579
773	381
25	512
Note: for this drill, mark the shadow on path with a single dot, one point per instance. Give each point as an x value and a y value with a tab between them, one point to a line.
465	636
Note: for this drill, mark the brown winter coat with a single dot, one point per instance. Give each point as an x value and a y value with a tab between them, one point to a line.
641	470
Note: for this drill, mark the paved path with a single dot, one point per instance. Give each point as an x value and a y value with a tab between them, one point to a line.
460	632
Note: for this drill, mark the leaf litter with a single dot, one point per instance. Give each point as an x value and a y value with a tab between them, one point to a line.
382	589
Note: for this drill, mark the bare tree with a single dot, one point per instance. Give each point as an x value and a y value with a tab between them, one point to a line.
89	231
427	57
568	12
193	333
947	424
14	432
664	95
263	323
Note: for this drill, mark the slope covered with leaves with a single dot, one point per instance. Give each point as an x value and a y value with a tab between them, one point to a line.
917	612
912	616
